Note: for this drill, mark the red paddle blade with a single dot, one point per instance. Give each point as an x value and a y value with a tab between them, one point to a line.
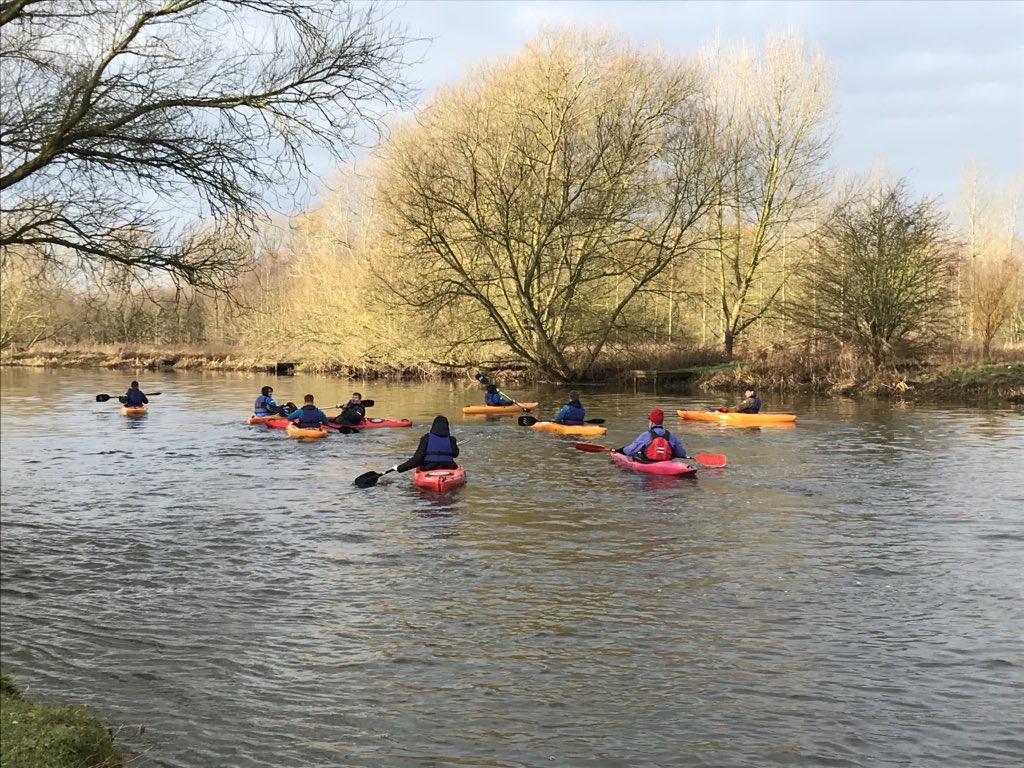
591	447
710	459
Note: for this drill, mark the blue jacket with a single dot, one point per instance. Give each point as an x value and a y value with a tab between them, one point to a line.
635	449
308	417
265	406
571	413
493	398
135	397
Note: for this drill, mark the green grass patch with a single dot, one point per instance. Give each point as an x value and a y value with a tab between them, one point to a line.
37	736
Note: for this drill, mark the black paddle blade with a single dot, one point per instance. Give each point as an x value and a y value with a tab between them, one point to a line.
102	398
527	421
347	430
594	421
368	479
483	379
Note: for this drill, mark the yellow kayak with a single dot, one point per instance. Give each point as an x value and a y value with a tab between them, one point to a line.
497	410
133	410
569	429
739	419
306	434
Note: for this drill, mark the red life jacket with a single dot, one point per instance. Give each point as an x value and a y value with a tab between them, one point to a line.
659	449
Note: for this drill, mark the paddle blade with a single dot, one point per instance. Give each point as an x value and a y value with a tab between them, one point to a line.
591	447
482	379
527	421
102	398
344	429
710	459
367	403
368	479
594	421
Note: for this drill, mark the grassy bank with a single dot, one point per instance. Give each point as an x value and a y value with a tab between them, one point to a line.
778	368
37	736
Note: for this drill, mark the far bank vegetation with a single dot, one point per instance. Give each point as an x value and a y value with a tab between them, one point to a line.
580	208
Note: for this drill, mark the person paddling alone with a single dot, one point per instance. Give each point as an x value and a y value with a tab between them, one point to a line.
493	397
437	449
265	405
134	397
751	402
656	443
572	412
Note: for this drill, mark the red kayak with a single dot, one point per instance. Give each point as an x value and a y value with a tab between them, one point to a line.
370	423
364	424
439	479
673	467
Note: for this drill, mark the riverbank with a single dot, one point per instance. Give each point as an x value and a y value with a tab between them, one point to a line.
39	736
777	370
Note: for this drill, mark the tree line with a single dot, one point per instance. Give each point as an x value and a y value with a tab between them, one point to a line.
579	202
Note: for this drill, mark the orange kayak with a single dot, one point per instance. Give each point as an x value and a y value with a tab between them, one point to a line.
305	434
497	410
739	419
129	410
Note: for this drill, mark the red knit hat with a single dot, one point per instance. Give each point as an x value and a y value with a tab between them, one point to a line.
656	416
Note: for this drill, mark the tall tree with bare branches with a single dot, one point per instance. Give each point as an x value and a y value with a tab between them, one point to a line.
124	123
541	195
774	115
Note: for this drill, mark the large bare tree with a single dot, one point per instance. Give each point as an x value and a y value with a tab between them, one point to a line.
882	273
542	194
124	124
774	113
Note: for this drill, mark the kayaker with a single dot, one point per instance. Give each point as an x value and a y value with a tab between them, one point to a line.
751	402
655	443
134	397
265	405
572	412
493	397
352	412
437	449
308	416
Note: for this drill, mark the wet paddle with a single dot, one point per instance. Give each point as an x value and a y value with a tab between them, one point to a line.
707	459
529	421
104	398
369	479
487	382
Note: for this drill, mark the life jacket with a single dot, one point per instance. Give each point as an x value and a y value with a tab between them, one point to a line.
308	417
134	398
754	408
353	413
576	414
493	398
439	450
264	406
659	449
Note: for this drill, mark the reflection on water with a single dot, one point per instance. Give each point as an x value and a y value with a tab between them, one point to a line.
845	592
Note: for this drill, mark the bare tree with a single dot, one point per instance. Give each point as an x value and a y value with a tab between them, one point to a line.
539	197
123	117
774	140
993	264
882	273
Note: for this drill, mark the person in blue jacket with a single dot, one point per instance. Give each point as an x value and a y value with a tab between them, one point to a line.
308	416
493	397
436	450
265	405
655	443
572	412
134	397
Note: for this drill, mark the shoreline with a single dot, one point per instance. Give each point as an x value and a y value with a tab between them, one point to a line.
1000	381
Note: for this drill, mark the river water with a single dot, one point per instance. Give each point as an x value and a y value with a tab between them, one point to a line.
847	592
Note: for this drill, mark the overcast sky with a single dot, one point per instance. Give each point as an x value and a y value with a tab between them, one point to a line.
922	88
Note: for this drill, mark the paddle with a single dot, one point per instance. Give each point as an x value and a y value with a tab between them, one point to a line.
487	382
104	398
707	459
529	421
364	403
369	479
